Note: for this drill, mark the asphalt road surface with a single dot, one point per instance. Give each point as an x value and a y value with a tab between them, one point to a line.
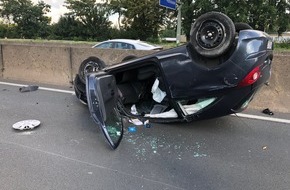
67	151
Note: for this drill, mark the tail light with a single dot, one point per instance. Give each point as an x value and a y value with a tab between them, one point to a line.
251	78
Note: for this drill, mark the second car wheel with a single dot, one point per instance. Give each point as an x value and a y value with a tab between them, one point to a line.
89	65
212	34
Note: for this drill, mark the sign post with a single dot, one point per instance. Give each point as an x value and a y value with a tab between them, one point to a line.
171	4
178	32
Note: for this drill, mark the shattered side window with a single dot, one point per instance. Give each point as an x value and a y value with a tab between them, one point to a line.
114	126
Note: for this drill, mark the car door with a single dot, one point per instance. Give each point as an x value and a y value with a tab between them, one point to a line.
102	94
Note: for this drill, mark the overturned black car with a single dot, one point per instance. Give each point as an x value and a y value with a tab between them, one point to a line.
215	74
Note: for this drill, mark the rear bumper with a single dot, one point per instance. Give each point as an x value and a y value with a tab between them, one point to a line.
233	102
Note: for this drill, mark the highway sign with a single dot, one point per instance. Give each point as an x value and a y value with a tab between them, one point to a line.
170	4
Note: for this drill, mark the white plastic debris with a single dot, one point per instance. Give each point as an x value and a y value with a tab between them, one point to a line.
134	109
136	122
158	95
26	124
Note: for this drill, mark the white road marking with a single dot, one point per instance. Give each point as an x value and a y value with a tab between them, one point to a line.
262	118
238	114
40	88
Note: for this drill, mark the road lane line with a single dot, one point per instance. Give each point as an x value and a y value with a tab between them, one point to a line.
261	118
238	114
40	88
57	90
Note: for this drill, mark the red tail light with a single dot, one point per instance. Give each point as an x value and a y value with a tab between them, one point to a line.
251	78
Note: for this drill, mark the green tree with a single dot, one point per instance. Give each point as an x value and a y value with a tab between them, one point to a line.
3	30
191	10
93	16
237	10
264	15
261	14
143	19
283	20
68	28
30	19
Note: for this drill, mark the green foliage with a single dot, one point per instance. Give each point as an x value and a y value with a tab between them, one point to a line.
170	33
67	28
93	16
138	19
283	20
285	44
142	19
191	10
264	15
30	20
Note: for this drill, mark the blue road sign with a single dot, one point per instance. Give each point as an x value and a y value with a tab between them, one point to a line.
170	4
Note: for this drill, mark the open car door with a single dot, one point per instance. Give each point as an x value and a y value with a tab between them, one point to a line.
102	97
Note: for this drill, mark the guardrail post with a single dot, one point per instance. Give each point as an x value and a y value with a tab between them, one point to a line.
1	61
70	65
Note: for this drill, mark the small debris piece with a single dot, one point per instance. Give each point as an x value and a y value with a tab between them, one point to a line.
26	124
29	88
134	109
147	124
268	111
132	129
265	147
136	122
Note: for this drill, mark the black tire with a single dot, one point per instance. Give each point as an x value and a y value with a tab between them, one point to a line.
242	26
91	64
129	57
212	34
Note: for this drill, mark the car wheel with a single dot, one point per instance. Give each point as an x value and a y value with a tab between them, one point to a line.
242	26
89	65
129	57
212	34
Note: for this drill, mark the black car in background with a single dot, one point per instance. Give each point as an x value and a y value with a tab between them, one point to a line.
215	74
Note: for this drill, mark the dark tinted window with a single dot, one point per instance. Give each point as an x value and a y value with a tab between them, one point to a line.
106	45
122	45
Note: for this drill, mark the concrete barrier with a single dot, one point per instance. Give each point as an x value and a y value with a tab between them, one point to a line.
57	65
36	64
276	96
